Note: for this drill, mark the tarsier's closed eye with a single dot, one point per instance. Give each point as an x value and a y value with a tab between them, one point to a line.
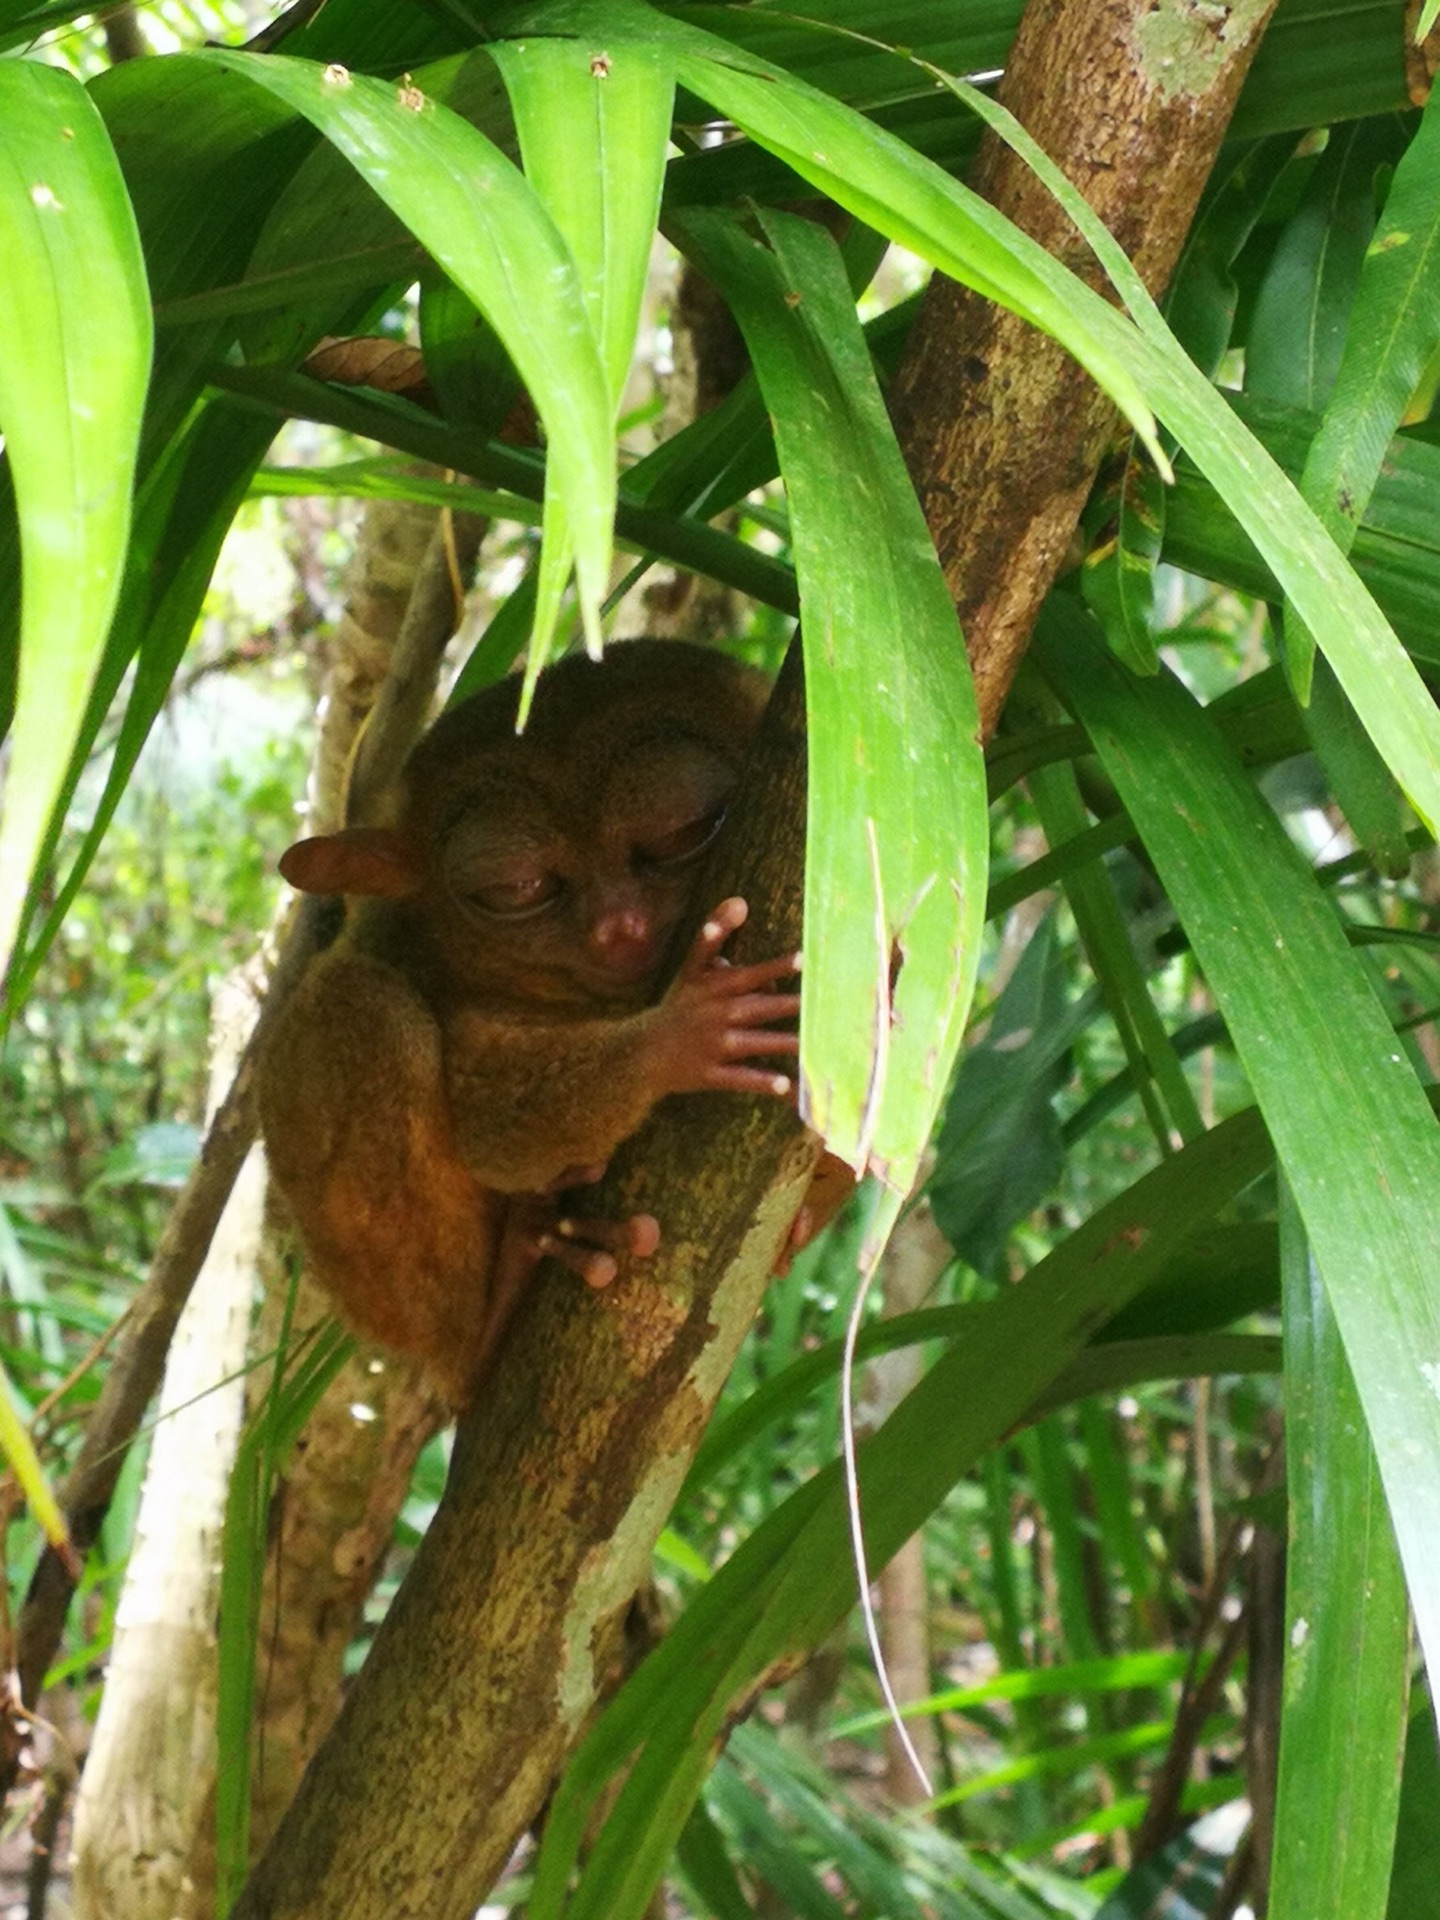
683	843
515	899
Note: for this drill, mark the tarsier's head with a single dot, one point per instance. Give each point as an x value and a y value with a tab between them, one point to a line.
554	865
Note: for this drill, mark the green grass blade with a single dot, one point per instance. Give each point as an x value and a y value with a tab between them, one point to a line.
72	389
1060	1762
897	838
477	215
1115	1673
1347	1657
1351	1124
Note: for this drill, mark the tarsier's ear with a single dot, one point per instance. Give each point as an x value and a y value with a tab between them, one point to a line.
378	862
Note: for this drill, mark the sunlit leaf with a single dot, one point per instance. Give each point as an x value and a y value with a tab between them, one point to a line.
594	127
474	211
897	836
72	386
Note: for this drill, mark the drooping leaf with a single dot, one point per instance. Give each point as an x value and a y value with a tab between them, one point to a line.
594	126
897	837
1307	1026
477	215
72	387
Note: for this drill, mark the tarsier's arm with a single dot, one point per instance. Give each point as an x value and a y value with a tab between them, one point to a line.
532	1098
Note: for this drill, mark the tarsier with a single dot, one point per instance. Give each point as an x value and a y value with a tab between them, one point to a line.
486	1030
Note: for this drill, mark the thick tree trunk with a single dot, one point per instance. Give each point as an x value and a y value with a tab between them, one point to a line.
494	1651
1001	429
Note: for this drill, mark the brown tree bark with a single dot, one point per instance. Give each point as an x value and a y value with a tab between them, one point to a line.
1001	429
494	1651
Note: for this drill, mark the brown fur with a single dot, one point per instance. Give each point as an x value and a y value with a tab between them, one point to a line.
454	1049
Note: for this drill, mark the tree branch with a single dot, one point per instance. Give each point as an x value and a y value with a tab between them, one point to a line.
1002	431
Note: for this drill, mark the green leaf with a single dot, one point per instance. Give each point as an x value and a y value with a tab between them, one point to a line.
1203	294
476	214
183	512
770	1849
1115	1673
1415	1888
999	1151
890	187
1140	365
1308	1028
1394	325
72	387
1394	322
1118	576
594	127
1297	332
897	836
1396	551
1347	1655
702	1858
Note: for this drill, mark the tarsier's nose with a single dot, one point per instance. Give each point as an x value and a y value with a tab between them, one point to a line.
623	941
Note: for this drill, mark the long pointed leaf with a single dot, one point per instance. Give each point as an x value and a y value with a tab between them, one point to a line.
1306	1024
594	128
1393	327
475	212
72	386
1347	1656
897	837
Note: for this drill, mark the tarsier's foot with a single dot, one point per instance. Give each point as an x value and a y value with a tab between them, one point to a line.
588	1247
536	1227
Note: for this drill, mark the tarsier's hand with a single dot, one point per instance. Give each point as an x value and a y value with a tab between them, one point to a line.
715	1016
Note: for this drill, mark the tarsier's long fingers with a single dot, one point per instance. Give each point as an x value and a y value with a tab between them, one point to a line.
705	953
748	1080
762	1010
